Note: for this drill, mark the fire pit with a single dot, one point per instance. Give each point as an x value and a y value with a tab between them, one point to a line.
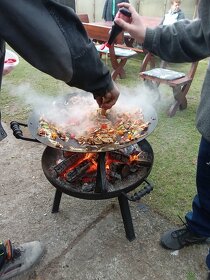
97	175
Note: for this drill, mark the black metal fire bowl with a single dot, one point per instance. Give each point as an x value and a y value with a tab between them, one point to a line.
125	185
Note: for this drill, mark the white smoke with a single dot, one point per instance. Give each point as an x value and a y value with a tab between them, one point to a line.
62	109
149	99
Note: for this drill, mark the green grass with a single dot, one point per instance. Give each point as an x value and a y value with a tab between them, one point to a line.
191	276
175	140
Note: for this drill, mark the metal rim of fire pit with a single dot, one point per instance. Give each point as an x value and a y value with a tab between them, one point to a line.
49	159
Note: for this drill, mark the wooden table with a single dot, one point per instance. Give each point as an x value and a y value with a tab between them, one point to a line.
127	39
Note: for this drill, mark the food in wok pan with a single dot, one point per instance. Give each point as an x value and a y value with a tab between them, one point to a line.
91	130
113	128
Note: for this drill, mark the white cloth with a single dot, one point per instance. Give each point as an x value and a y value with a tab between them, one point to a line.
170	18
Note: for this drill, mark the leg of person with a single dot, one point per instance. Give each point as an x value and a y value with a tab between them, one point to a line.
197	227
198	219
16	260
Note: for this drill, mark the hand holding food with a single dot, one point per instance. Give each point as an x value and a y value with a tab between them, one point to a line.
109	99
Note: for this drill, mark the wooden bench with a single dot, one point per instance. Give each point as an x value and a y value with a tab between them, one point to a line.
118	53
179	82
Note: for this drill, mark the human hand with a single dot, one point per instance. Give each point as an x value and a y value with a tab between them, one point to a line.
109	99
136	27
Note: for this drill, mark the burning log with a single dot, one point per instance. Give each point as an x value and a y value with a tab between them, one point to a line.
112	176
89	178
63	165
78	172
125	171
116	166
119	157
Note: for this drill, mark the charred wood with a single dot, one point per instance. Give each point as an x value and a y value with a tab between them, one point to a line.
66	163
78	172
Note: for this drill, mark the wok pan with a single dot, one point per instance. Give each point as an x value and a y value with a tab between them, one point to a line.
72	145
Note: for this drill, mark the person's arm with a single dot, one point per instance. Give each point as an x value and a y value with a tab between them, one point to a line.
51	37
180	42
183	41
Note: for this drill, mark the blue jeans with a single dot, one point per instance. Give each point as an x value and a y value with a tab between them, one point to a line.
198	219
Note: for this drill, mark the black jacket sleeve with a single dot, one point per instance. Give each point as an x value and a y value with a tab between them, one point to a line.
183	41
51	37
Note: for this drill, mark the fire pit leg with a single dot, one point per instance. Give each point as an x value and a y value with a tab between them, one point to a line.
57	200
101	182
127	219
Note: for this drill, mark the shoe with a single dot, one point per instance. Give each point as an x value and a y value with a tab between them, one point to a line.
21	259
176	239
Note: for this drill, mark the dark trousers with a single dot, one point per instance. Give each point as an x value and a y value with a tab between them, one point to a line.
198	219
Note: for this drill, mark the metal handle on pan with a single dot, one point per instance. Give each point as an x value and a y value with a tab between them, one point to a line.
17	132
137	196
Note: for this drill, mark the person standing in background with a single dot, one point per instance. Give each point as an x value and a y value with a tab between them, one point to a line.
111	8
174	14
